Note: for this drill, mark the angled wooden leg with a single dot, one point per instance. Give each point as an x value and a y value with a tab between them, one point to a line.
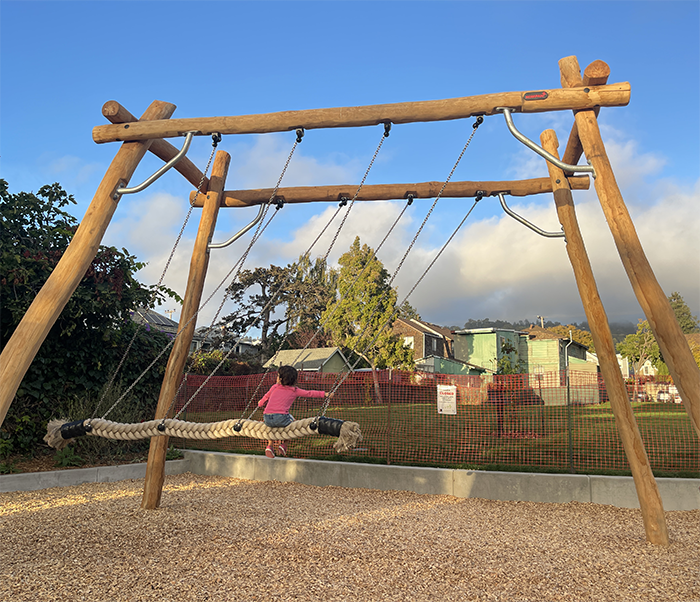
654	302
155	469
647	490
20	350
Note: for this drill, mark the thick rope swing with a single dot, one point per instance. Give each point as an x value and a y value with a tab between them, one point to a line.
61	433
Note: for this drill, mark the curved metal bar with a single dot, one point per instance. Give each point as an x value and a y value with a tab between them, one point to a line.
539	150
162	170
523	221
235	237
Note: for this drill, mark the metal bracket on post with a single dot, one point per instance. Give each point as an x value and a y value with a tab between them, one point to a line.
235	237
569	169
523	221
146	183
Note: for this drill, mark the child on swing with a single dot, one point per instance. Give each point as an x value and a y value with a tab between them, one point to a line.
279	399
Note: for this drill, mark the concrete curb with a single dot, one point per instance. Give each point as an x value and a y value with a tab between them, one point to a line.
677	494
32	481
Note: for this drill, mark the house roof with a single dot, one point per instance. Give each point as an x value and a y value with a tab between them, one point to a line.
451	360
148	316
537	333
427	327
307	359
693	340
486	330
439	330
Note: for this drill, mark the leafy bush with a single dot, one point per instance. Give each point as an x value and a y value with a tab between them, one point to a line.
86	343
130	409
204	362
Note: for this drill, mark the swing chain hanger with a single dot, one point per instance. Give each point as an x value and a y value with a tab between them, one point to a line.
569	169
121	186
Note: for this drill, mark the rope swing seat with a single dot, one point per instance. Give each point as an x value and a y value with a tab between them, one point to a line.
60	433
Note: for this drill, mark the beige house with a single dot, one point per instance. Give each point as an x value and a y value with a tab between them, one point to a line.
328	359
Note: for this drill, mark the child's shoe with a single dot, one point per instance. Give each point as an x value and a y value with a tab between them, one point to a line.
268	452
282	450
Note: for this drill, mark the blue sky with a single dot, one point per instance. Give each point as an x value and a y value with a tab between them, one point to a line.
61	61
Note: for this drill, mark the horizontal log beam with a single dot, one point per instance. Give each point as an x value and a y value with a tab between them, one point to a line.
162	149
613	95
387	192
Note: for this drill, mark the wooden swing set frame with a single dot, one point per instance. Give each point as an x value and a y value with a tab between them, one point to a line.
582	95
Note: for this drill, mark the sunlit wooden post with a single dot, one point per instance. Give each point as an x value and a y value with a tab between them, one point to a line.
647	490
24	344
654	302
155	469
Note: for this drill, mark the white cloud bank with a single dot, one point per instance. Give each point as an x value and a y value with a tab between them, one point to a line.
494	267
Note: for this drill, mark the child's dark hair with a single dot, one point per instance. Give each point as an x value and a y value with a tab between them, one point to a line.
288	375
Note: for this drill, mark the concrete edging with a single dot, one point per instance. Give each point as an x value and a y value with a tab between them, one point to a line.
32	481
677	494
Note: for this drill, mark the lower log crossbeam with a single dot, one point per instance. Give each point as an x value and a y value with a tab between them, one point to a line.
60	433
388	192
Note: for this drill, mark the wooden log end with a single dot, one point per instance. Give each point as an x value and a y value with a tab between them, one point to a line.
570	72
596	74
116	113
549	137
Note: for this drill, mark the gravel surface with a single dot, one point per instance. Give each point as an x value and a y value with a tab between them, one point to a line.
225	539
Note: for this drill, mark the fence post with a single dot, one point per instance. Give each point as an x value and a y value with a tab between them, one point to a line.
569	420
388	419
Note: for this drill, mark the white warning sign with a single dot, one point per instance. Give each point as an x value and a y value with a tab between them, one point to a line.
447	399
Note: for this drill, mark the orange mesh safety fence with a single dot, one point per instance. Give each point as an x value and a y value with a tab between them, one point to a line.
525	422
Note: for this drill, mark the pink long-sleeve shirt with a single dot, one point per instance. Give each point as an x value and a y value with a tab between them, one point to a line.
280	398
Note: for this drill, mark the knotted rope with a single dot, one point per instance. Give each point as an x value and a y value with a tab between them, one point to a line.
60	432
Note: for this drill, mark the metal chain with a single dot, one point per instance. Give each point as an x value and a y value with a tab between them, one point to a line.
387	128
420	229
216	138
257	234
396	310
475	126
385	135
354	282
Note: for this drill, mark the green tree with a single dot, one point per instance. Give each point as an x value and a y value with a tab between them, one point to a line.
688	322
640	347
277	299
258	309
87	341
360	319
311	288
408	312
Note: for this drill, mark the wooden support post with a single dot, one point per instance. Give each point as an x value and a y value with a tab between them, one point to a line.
647	490
596	74
20	350
155	469
654	302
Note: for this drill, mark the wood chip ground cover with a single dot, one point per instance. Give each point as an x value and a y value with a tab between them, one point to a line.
221	539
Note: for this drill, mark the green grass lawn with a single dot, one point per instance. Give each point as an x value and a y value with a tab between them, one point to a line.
579	439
